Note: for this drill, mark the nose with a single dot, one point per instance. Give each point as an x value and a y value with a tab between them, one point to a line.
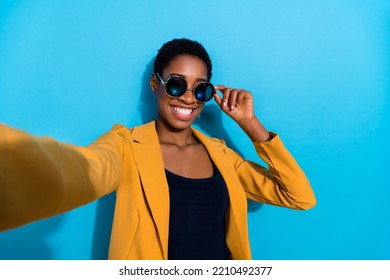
188	97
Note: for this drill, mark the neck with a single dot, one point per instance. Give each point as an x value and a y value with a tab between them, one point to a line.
169	135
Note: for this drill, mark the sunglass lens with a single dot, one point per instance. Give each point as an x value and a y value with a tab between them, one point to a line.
176	86
204	92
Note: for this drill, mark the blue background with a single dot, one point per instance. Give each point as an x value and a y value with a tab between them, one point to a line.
319	72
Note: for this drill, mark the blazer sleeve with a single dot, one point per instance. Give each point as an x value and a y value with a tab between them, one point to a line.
282	184
41	177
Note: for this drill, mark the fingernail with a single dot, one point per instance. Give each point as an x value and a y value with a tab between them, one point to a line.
225	103
232	107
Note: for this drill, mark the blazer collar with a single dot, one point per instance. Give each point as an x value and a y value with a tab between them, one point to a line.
145	133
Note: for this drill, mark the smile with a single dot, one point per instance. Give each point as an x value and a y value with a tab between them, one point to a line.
183	113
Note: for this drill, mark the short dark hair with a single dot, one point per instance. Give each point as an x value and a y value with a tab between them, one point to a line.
176	47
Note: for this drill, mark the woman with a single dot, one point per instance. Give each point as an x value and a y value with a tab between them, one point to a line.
180	194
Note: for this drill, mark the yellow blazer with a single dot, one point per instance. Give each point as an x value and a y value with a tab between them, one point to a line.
41	177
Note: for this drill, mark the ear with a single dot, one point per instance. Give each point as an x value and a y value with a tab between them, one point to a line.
154	83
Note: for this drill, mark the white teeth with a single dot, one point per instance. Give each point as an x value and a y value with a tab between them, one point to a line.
182	111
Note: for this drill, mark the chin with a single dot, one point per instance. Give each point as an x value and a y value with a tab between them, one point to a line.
180	125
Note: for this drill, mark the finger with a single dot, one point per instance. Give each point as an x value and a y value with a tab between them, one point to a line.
226	95
233	98
218	99
219	87
243	95
229	96
240	98
224	90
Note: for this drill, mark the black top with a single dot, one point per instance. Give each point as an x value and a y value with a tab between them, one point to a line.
197	218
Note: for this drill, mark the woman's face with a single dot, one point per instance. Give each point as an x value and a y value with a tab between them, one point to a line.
179	113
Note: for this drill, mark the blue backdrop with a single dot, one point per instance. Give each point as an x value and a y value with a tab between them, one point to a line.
319	72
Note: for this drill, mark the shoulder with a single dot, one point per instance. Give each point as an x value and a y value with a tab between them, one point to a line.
141	133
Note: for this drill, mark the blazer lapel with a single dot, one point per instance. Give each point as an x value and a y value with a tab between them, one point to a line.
148	157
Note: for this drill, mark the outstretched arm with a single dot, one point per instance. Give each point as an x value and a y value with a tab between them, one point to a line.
41	177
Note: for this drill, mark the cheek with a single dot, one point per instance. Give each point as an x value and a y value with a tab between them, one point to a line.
200	109
161	101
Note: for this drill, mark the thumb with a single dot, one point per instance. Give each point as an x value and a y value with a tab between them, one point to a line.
218	99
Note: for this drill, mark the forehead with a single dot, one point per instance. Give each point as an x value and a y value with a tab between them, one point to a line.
187	65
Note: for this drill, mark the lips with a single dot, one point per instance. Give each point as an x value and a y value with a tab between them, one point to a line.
183	113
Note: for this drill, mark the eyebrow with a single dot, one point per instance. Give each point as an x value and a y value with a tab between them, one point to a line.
183	76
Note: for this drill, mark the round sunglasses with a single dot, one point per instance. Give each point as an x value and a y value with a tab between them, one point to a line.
176	86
